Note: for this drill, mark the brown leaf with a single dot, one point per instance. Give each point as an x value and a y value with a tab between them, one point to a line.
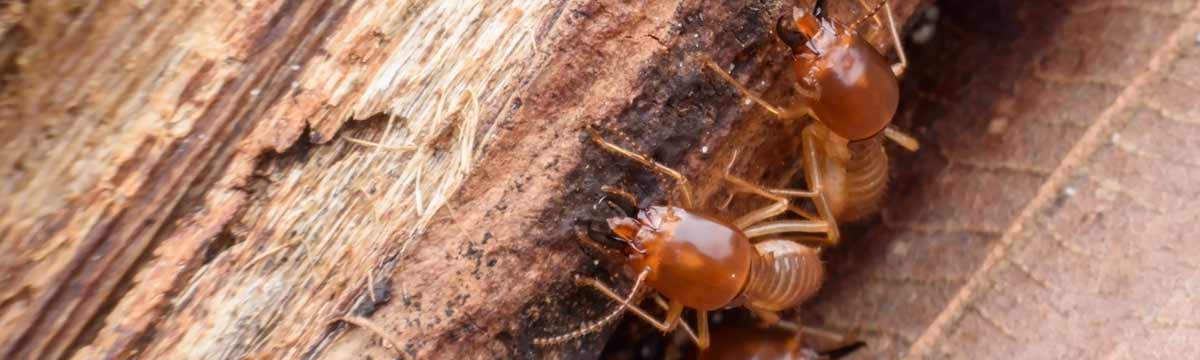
1051	212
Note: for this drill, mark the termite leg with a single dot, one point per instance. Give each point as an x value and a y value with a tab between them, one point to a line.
846	343
674	310
683	324
807	240
769	318
727	173
752	224
702	329
812	173
680	181
803	213
779	196
789	226
777	111
827	335
778	207
905	141
773	194
897	69
702	324
674	316
747	186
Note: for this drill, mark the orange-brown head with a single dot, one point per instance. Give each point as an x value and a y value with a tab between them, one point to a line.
698	260
857	92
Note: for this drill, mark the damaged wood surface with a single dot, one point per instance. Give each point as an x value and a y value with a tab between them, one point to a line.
132	132
181	180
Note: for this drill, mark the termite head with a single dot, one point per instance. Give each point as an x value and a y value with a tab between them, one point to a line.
854	89
807	32
619	232
693	258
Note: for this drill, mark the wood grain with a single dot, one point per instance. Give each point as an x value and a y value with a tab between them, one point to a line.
138	126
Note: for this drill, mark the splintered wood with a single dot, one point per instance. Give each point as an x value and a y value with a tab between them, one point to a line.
139	127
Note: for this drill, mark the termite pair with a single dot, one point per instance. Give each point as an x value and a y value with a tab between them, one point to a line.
700	261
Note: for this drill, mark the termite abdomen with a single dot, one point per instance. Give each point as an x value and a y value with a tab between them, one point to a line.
866	179
783	275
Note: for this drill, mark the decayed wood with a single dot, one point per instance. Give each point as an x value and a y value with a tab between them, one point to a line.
146	215
132	125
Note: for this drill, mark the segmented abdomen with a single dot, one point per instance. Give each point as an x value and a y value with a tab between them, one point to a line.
784	275
866	179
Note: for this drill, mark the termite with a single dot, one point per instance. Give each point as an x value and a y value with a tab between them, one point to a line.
741	340
851	90
699	260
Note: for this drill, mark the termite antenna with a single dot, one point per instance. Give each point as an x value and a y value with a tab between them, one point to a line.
590	328
599	324
869	15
